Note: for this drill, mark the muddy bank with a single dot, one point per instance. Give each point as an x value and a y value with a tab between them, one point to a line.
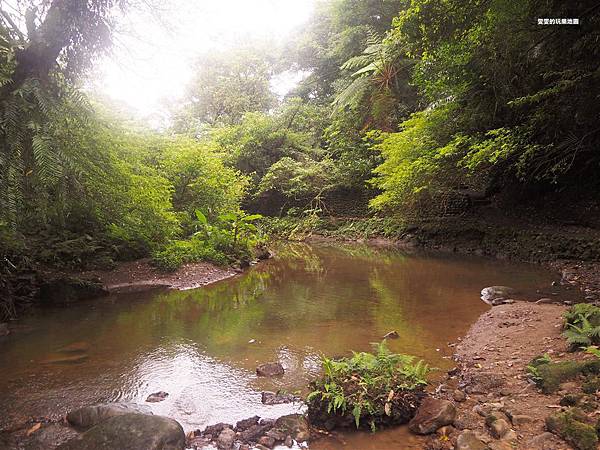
141	274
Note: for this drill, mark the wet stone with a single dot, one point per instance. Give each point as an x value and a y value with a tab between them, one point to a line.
459	396
88	416
226	439
131	432
246	423
270	369
157	397
276	398
267	441
432	414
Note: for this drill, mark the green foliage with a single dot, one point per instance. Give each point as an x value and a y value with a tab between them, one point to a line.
231	238
500	93
582	325
532	368
366	383
227	85
420	161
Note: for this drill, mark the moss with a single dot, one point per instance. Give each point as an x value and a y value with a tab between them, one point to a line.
573	427
585	402
570	400
549	375
591	384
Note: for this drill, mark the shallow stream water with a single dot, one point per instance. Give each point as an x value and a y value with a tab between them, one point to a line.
202	346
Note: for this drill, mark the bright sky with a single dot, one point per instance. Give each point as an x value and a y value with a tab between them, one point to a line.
154	62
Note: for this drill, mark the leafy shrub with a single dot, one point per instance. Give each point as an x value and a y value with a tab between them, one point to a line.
179	252
375	388
233	237
582	325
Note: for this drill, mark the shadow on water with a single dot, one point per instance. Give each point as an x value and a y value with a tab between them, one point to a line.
202	345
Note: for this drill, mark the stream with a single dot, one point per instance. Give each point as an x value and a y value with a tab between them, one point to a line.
202	346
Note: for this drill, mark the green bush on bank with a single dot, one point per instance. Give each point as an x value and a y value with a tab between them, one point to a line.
368	389
231	237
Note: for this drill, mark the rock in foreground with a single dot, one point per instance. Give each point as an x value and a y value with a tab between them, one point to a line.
89	416
131	432
431	415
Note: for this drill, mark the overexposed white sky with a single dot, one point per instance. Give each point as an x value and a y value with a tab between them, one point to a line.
153	56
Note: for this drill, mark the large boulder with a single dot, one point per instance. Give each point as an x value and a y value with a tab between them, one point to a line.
131	432
432	414
70	290
89	416
497	295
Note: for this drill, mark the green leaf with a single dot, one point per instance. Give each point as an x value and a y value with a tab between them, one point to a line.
201	217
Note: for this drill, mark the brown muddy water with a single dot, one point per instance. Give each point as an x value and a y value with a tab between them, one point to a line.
202	346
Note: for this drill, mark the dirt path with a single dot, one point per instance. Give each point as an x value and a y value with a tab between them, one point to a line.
491	371
141	275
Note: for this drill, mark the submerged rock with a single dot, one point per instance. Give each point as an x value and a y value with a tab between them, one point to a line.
89	416
75	347
276	398
65	359
131	432
392	335
432	414
270	369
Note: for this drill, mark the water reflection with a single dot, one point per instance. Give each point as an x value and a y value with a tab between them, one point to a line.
202	345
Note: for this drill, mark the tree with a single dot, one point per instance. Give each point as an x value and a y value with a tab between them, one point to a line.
338	31
226	85
70	33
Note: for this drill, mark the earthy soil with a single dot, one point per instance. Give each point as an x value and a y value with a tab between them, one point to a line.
140	275
491	370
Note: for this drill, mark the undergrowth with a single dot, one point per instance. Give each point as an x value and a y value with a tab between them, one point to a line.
582	326
372	388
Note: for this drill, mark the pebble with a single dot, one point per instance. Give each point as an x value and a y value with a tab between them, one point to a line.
459	396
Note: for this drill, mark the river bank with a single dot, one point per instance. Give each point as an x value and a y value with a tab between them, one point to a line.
491	376
141	274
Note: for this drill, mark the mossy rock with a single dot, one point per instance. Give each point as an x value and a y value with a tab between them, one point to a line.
585	402
573	426
591	384
570	400
549	375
